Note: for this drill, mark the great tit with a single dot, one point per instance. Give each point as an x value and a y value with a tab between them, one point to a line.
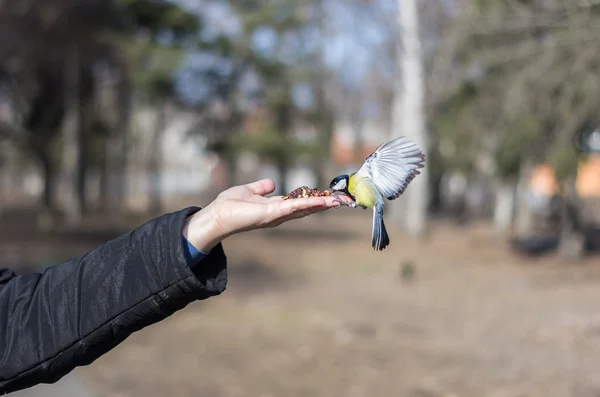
385	173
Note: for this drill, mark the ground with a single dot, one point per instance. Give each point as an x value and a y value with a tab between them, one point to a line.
311	310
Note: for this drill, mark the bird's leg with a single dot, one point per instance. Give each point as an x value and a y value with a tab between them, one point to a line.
339	200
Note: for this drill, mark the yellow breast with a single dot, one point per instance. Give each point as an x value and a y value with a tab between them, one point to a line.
363	191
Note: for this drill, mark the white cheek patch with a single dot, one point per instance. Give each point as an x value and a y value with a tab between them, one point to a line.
341	185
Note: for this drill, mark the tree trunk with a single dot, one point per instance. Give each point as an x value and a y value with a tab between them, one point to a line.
409	115
82	171
436	202
326	115
45	221
504	207
155	161
572	239
4	187
524	224
225	173
116	148
155	165
357	128
115	174
325	129
283	124
5	175
72	139
318	169
104	189
105	99
231	170
48	173
282	171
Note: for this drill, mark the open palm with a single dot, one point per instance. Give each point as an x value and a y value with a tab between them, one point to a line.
245	207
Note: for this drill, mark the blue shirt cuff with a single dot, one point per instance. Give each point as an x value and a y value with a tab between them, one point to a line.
193	255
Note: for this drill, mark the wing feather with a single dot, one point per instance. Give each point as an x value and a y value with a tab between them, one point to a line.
393	165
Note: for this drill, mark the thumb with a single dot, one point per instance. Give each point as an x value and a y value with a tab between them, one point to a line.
262	187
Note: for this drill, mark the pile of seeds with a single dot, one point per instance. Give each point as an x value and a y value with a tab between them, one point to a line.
305	191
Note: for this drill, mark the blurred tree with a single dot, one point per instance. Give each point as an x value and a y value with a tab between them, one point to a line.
324	84
114	104
379	33
271	51
54	49
213	82
565	160
168	31
36	59
504	47
409	112
276	64
511	153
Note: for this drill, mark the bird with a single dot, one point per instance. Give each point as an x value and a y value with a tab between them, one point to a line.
385	174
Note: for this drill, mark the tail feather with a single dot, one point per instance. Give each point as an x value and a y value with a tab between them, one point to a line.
379	237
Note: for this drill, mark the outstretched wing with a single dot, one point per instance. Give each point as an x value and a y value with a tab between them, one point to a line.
393	165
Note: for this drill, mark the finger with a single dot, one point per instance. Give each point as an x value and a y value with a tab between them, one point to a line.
327	201
262	187
309	211
280	200
277	200
289	212
305	203
300	214
279	208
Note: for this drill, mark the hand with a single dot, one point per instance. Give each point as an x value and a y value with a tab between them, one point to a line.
243	208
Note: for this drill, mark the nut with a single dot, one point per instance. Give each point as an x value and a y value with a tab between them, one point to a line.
305	191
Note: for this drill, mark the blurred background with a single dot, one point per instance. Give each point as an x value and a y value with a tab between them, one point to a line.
116	111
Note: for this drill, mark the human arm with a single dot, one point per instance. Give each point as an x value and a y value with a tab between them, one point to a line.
72	313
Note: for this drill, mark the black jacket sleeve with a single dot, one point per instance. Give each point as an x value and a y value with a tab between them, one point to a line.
74	312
